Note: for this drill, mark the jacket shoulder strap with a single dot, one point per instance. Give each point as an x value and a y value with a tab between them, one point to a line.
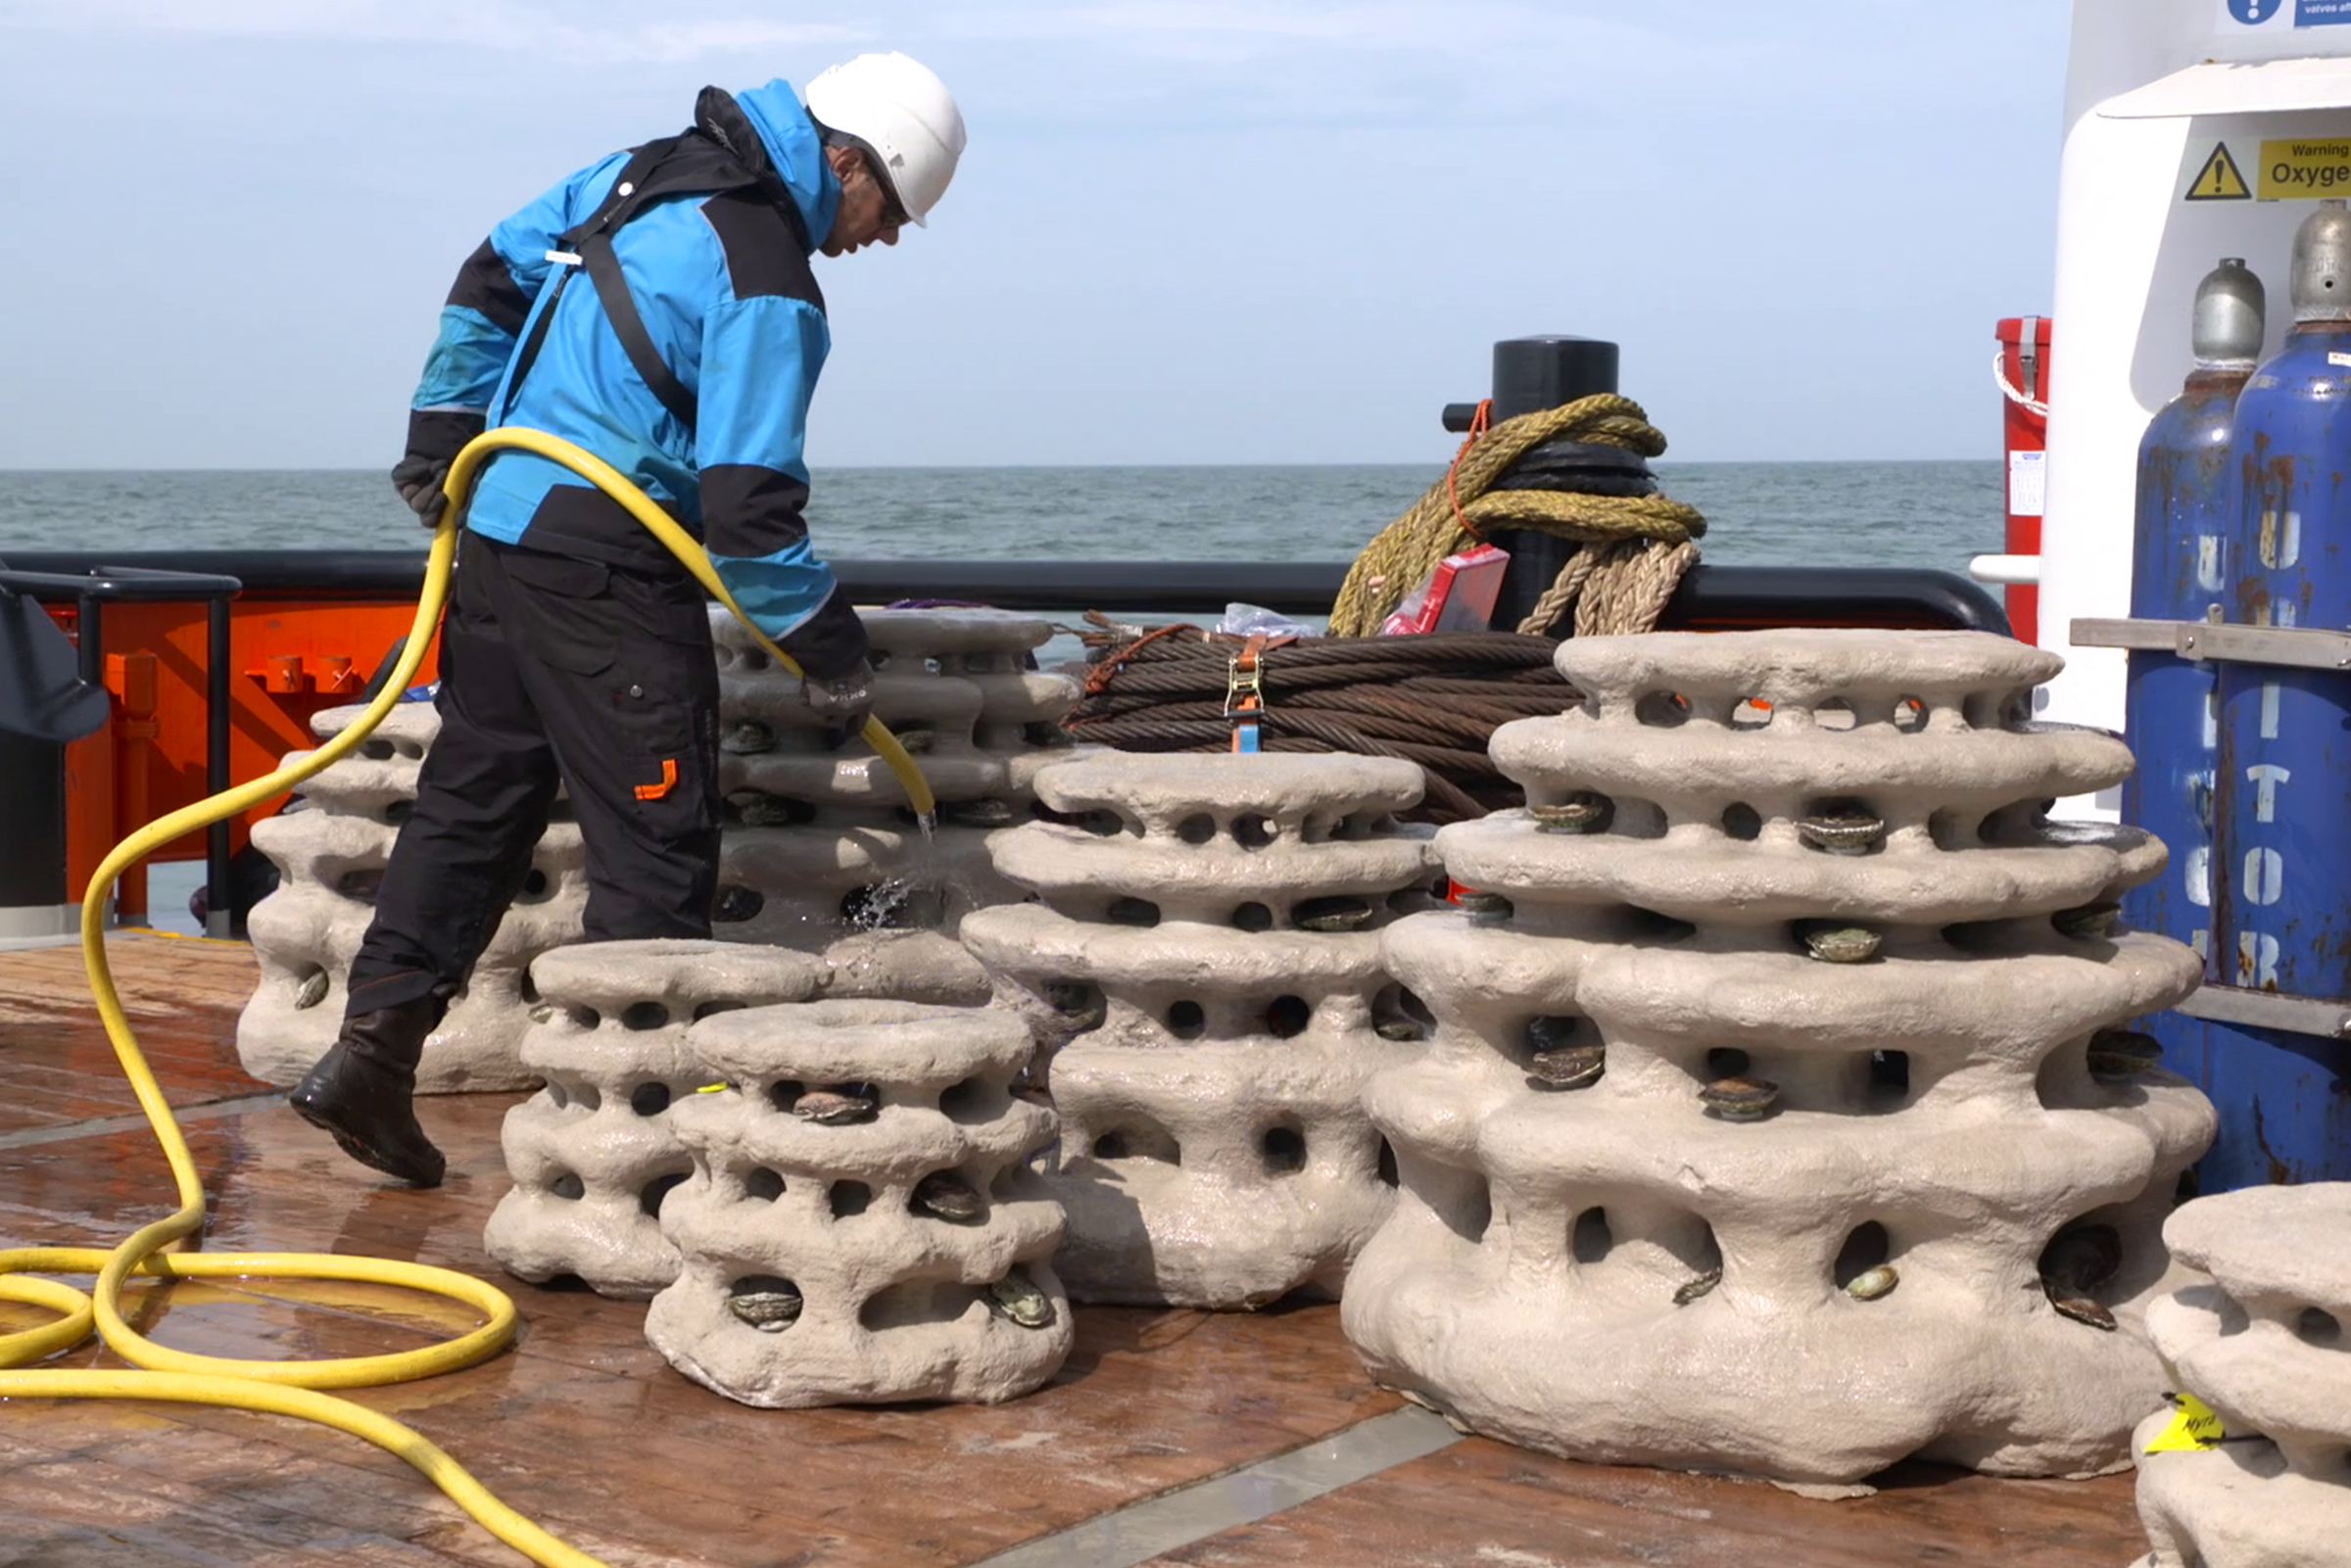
689	162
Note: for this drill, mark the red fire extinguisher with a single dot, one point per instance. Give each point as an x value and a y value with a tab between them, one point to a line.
2023	371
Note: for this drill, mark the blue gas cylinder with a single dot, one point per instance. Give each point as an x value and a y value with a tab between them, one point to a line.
2186	505
2281	856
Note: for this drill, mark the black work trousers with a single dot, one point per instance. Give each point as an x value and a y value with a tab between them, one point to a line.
554	669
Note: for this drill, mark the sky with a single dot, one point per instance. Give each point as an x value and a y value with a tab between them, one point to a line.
1186	231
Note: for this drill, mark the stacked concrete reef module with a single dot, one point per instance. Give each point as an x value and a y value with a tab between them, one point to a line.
1203	974
821	854
595	1152
1779	1118
861	1224
2259	1335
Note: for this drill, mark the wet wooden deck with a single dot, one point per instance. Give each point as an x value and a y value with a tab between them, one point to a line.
1170	1438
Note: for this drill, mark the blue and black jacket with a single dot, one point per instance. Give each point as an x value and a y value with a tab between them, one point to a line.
724	291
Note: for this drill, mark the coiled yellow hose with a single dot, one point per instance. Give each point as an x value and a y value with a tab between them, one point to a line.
290	1388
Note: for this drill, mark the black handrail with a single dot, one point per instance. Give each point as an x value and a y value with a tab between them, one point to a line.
1709	596
95	588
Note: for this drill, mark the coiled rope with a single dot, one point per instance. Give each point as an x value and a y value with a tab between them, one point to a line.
1634	548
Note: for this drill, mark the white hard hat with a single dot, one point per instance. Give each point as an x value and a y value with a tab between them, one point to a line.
903	111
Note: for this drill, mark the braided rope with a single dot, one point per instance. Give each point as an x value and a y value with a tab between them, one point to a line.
1463	505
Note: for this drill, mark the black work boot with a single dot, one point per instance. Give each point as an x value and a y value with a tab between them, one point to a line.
361	1091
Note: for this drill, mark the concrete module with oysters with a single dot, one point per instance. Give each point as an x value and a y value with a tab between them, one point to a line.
1779	1118
1203	971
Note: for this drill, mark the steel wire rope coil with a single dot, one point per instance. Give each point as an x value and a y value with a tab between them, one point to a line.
1432	701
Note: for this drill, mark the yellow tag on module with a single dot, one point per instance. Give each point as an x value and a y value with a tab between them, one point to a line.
2194	1426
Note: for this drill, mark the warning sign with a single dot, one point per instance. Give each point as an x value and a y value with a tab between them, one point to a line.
2305	170
2219	181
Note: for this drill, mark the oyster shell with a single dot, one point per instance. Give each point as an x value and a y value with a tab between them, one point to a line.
1698	1286
948	1196
1015	1297
1583	812
1741	1098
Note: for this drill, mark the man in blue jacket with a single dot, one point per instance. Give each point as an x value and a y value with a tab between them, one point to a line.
660	310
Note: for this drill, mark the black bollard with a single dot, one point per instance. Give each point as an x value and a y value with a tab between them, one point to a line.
1530	375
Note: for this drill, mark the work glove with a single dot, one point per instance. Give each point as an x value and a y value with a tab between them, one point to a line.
435	437
419	480
843	702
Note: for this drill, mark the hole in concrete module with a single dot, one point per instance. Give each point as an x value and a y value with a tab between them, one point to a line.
660	1187
644	1016
785	1093
847	1198
360	884
706	1010
376	750
1890	1072
1080	1002
1186	1020
1389	1176
568	1187
915	1305
583	1018
1132	912
397	812
1140	1140
1197	828
1835	714
1864	1250
1742	822
1252	831
1649	925
649	1099
588	1097
763	1184
1333	913
1287	1017
556	1094
1398	1014
1751	714
1283	1149
1253	916
526	987
1909	715
2316	1326
534	887
1726	1062
1665	711
968	1101
1592	1240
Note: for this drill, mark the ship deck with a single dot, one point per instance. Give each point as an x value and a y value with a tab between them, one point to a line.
1171	1436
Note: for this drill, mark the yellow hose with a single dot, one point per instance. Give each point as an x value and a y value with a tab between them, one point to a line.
289	1387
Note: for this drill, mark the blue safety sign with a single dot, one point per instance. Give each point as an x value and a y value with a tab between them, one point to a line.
2292	13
